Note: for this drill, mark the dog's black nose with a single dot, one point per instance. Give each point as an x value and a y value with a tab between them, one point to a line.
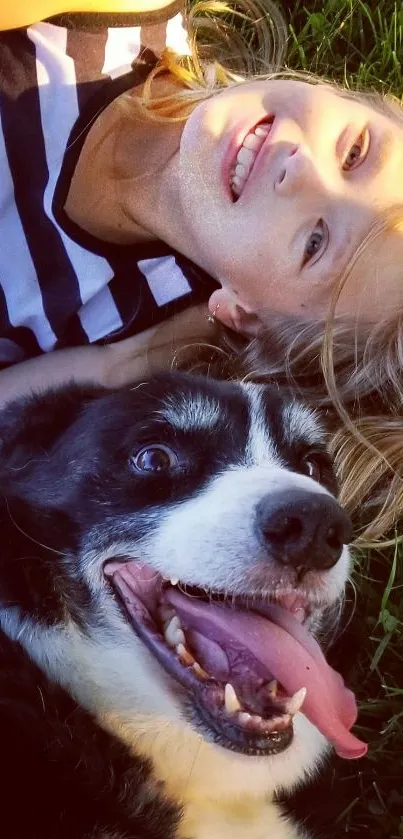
303	529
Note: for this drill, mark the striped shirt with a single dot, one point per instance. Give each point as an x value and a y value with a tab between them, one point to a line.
58	285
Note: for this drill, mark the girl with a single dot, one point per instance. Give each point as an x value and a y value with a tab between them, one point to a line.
77	264
133	189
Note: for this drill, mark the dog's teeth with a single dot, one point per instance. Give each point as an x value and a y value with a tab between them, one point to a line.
256	718
199	671
174	581
184	655
173	633
243	717
295	702
281	721
232	703
272	687
166	613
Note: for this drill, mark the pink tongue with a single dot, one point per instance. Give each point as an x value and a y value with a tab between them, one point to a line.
289	654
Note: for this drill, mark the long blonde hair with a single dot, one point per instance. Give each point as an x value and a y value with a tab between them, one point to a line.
230	41
353	376
349	371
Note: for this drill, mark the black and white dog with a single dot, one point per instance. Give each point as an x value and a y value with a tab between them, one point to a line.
168	553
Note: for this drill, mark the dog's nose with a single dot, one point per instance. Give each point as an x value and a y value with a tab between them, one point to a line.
303	529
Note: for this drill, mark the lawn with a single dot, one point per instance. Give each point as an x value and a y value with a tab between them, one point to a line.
358	44
361	45
365	798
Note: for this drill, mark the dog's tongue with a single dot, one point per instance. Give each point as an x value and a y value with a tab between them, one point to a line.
283	649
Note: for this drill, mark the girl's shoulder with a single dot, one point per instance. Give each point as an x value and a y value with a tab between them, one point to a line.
26	12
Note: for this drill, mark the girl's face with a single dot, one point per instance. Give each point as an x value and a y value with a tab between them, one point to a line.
308	186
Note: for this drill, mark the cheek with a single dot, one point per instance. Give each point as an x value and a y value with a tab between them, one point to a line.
201	195
245	253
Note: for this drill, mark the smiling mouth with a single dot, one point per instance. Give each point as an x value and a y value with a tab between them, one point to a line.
246	156
247	668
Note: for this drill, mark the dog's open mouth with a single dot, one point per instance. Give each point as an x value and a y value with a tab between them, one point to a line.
247	670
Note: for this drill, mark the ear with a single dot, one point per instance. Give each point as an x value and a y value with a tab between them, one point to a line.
30	431
231	312
30	426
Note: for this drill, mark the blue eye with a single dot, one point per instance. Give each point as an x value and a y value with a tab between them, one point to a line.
316	243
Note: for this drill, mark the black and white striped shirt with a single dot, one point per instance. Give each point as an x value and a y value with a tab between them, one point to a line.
58	285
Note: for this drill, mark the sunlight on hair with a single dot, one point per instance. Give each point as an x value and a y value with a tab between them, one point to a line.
228	44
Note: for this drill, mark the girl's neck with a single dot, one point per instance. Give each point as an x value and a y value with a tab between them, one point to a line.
120	183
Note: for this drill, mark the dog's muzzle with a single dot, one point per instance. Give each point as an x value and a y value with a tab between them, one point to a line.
248	669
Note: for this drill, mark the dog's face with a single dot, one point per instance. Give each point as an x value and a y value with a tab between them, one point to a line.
172	548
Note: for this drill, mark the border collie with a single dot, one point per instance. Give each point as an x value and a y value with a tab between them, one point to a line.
169	553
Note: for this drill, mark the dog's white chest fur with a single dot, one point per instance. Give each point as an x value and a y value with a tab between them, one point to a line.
241	819
224	795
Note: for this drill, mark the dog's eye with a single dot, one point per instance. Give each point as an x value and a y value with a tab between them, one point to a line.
155	459
313	467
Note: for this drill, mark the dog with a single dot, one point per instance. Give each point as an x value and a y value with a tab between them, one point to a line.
169	553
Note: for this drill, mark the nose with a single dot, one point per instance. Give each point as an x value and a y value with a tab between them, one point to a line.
302	529
296	170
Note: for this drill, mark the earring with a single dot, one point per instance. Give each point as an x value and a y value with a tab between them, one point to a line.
212	318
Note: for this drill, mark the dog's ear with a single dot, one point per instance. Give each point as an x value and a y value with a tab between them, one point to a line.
30	426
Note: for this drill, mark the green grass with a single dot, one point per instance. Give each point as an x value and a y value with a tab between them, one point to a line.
365	798
375	805
361	45
356	43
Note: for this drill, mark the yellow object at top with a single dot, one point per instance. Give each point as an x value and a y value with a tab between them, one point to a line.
26	12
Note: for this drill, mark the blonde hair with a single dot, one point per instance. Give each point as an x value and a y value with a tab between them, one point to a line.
352	374
229	42
349	371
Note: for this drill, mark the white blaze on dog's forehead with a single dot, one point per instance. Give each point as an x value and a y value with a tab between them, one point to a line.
187	412
300	422
260	447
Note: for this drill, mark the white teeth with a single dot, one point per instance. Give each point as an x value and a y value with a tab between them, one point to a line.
236	186
243	717
282	720
240	170
175	638
246	157
173	632
184	655
199	671
166	612
295	702
244	163
263	130
174	581
232	704
252	142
